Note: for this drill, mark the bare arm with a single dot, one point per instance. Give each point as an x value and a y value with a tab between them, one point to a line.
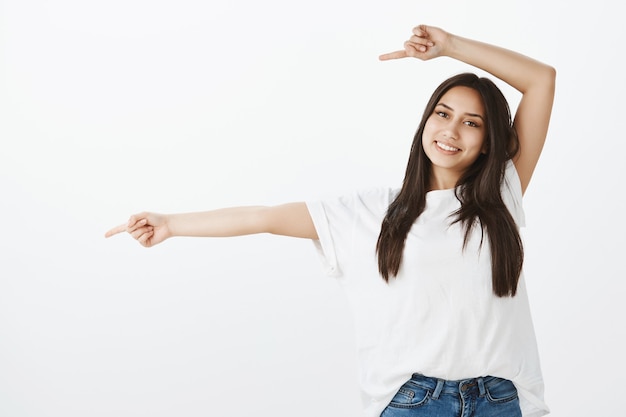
535	80
291	219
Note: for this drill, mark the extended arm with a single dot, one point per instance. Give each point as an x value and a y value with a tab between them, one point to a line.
535	80
291	219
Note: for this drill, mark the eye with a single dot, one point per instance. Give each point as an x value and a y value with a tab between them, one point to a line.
442	114
471	123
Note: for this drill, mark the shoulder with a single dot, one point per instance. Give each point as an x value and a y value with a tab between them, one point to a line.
371	201
374	198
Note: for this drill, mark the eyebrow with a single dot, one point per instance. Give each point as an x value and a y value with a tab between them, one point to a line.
468	114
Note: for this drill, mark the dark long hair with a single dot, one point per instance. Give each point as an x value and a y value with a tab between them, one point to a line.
478	190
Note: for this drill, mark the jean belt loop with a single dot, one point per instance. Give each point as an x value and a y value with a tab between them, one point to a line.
481	387
438	389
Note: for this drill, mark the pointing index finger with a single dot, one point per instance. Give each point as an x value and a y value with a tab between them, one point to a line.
393	55
117	229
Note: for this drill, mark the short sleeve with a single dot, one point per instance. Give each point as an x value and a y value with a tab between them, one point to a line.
512	194
324	245
347	224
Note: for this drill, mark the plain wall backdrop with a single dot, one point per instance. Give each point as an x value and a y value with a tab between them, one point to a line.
108	108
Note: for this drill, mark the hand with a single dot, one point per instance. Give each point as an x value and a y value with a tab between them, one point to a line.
148	229
426	43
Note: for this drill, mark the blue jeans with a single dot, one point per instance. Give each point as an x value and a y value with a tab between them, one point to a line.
423	396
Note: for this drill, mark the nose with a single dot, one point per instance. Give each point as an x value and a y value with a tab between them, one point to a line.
450	130
450	133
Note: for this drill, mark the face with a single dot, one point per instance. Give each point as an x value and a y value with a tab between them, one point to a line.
454	135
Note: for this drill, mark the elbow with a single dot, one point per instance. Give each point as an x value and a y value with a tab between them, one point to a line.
552	71
549	75
543	81
260	220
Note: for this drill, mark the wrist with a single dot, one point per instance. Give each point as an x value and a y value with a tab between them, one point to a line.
170	226
451	46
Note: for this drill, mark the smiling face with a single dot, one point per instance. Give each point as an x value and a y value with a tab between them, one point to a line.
454	135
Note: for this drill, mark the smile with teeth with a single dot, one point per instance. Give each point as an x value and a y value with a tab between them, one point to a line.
446	147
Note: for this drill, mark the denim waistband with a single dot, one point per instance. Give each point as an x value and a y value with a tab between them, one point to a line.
441	386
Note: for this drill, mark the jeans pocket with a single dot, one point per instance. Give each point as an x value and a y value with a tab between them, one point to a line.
410	395
501	391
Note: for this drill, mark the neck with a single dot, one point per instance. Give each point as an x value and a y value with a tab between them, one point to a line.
443	179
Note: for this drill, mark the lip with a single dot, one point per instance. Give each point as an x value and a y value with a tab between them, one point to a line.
444	151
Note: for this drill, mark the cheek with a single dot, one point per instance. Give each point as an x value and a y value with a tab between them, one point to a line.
480	141
429	129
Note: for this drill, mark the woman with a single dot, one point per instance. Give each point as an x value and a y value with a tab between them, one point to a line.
433	271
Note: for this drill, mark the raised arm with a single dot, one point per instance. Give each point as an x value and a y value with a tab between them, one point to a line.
535	80
149	229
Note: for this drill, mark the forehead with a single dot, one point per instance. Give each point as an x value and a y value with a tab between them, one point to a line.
463	100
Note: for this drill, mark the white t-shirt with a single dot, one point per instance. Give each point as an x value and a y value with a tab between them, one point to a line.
439	316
